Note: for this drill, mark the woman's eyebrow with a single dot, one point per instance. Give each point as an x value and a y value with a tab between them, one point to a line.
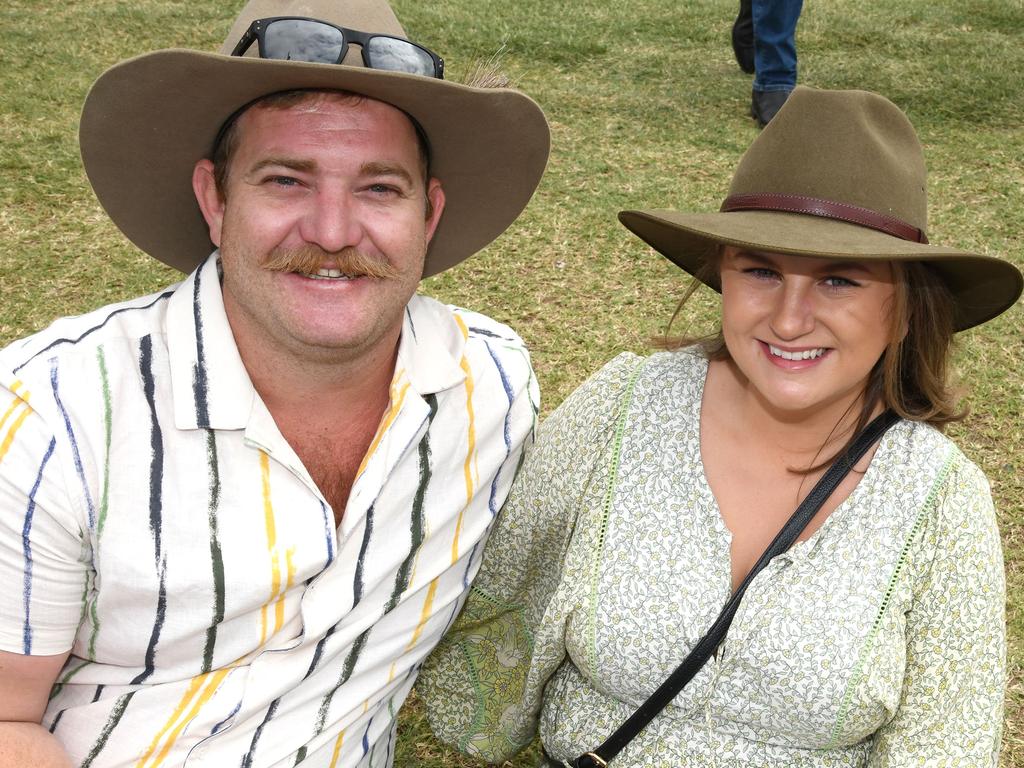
846	266
822	265
763	258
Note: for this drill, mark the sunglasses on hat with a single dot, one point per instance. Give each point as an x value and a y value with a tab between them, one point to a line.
296	38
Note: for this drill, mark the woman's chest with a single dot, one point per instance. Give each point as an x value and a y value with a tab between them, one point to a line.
815	655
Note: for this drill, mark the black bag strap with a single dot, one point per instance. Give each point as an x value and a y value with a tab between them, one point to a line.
702	651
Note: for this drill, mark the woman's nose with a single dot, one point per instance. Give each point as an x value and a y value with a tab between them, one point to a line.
793	314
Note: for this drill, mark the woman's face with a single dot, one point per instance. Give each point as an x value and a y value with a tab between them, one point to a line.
805	332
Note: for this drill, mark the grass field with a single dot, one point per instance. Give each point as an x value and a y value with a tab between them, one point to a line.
647	109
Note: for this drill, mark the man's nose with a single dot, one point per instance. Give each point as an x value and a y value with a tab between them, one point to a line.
333	221
793	314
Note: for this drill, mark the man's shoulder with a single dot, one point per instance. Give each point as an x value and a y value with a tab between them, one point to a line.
74	335
480	326
447	343
471	324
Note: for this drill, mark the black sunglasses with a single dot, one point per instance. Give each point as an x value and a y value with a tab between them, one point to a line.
296	38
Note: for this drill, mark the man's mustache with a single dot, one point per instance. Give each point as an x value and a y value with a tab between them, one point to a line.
309	259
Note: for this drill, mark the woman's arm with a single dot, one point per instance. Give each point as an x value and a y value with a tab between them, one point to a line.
951	706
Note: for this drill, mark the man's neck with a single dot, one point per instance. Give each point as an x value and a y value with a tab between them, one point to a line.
322	386
328	411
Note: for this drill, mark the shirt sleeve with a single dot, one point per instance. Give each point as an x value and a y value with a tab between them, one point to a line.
951	706
482	686
42	555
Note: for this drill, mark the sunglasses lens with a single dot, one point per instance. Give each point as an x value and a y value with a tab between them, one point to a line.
397	55
302	40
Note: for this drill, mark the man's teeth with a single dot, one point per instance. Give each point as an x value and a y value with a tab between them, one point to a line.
330	274
807	354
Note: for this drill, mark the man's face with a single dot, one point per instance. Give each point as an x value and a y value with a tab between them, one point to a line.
323	227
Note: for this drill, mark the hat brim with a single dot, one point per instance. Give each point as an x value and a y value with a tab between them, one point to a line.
147	120
982	286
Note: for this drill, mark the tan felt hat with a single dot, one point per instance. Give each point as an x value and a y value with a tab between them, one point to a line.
147	120
837	175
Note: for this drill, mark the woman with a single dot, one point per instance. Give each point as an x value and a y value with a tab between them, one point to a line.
878	638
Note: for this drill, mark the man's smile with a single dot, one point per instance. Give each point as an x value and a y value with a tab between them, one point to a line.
329	274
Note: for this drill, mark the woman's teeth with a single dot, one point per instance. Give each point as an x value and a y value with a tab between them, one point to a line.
807	354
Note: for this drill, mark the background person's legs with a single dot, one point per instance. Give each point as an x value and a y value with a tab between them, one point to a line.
774	24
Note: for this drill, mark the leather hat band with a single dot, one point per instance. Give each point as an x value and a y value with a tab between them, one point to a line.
828	209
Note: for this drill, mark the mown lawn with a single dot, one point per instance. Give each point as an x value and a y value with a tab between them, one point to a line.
647	109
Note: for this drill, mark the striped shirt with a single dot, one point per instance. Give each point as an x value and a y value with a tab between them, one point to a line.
157	524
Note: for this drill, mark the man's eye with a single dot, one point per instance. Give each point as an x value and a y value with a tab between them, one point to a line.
839	282
281	181
761	273
383	189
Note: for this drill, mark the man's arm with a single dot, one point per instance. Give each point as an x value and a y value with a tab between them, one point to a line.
43	575
25	683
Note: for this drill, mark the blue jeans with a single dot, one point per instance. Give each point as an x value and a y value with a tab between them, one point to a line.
775	44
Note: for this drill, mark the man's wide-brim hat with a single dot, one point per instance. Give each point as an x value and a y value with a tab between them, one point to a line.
836	175
147	121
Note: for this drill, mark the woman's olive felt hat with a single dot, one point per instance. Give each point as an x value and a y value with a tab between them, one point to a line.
836	175
147	120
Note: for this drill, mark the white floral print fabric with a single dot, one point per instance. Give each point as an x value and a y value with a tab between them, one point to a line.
879	641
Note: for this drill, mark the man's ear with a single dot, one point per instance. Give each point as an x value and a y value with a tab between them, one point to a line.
435	195
211	203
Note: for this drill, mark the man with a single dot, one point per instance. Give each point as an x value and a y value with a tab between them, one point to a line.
236	515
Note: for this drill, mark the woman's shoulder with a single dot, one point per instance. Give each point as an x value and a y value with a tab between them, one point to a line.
923	445
688	363
597	399
958	493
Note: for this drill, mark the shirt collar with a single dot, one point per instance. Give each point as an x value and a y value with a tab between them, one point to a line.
210	386
431	347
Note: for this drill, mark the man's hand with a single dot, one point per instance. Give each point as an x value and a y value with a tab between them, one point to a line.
25	683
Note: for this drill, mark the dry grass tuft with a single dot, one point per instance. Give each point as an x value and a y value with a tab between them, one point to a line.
488	73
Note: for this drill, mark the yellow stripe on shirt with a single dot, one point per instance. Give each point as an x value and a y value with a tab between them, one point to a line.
289	557
470	463
337	749
186	699
15	426
211	688
275	559
428	606
18	400
396	406
191	691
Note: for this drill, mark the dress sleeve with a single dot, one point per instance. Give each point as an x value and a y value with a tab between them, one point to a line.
951	706
42	557
482	686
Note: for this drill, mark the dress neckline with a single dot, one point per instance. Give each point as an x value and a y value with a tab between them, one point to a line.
800	549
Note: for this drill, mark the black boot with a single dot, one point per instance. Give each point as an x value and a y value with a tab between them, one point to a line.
764	105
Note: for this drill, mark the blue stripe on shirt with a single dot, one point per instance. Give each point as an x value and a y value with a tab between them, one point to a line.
26	544
76	454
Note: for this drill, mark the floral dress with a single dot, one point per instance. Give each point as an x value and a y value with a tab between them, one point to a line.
878	641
